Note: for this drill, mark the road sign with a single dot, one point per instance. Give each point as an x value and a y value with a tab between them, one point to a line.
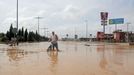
116	21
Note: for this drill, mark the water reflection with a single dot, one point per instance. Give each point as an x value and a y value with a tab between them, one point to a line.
118	55
114	57
15	54
75	46
67	46
103	61
77	59
113	54
53	61
53	56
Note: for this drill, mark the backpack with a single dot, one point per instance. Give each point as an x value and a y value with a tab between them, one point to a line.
56	37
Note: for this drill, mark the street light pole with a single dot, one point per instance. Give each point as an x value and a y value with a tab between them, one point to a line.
128	31
17	22
128	26
17	16
86	33
86	29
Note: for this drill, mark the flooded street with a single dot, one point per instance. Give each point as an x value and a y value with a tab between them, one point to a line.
74	59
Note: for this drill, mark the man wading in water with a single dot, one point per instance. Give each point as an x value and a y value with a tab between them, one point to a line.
54	44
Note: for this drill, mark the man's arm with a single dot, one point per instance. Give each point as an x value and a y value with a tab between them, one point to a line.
50	39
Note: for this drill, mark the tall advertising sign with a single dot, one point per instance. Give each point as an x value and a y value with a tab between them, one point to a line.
116	21
104	18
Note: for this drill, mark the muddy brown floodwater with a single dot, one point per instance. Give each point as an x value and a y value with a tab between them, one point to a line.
74	59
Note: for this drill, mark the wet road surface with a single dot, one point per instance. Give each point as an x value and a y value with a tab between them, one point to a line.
74	59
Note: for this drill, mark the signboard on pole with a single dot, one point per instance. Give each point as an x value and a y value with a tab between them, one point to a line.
116	21
104	18
103	23
104	15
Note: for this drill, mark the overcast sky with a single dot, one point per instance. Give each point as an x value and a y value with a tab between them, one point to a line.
65	16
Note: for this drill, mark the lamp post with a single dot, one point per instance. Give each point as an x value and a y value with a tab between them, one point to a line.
128	31
17	23
86	21
17	16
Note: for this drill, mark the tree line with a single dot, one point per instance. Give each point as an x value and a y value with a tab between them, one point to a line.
22	35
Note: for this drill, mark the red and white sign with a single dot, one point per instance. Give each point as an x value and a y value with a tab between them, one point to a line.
104	15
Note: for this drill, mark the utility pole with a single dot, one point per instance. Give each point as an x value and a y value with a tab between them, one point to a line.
38	18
